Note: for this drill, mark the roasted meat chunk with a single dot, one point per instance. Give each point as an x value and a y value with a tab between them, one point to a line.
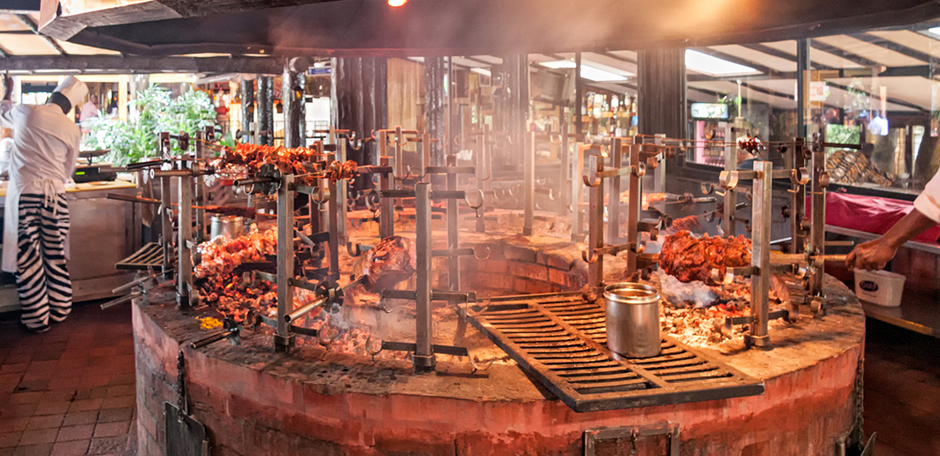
388	263
689	258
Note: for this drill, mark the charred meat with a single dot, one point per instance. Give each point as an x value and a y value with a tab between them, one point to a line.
688	258
388	263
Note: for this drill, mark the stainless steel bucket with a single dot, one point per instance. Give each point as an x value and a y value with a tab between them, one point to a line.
226	225
632	320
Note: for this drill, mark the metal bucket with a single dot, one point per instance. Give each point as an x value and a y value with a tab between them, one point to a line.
226	225
632	320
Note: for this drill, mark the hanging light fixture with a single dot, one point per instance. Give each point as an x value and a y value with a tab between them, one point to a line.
396	3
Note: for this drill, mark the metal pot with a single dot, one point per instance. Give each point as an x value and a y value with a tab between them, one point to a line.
633	320
226	225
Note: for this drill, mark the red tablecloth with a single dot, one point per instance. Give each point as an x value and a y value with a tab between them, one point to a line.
870	214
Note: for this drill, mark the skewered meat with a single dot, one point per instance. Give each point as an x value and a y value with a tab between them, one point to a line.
253	158
222	255
689	258
247	212
347	170
388	263
689	223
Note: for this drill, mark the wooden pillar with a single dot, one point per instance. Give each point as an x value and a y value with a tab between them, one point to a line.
293	95
248	109
661	88
360	104
435	102
123	81
265	102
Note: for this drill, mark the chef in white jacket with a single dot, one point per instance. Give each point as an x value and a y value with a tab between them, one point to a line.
36	216
875	255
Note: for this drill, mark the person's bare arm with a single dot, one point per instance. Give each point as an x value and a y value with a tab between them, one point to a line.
6	106
874	255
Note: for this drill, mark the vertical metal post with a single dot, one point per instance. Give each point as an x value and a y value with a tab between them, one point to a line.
529	196
424	355
199	190
578	97
564	154
760	254
399	167
479	172
283	339
340	187
636	205
185	231
729	221
166	222
796	160
387	212
595	222
292	91
613	211
453	220
659	174
425	157
576	184
803	65
818	217
333	224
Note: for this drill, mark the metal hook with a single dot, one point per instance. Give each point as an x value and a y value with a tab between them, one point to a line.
707	188
639	170
369	349
466	199
353	252
587	181
372	201
475	255
323	195
589	258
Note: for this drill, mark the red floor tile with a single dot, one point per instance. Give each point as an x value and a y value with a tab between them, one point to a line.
114	429
37	436
53	408
84	405
80	432
45	422
73	448
10	439
44	449
76	418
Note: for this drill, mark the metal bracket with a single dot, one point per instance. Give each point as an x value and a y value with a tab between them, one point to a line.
594	436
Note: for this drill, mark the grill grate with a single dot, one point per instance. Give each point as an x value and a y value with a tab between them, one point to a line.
149	256
561	340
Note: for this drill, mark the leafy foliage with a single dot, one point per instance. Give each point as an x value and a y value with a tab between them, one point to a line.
136	140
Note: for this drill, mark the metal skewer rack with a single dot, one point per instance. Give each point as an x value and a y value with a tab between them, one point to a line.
424	349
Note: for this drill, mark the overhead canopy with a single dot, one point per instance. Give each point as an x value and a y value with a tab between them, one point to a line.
460	27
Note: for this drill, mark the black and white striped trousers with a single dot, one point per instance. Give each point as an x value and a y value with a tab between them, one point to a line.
42	276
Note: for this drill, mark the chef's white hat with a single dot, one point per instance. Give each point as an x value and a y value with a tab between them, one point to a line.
73	89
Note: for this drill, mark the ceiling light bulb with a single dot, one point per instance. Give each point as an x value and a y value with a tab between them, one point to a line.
396	3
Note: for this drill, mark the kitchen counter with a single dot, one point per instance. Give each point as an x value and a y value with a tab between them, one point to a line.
103	232
86	187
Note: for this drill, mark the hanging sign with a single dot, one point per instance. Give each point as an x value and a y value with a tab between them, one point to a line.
817	91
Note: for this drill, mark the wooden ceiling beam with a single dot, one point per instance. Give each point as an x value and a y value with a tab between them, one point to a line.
738	60
854	58
891	45
124	65
28	21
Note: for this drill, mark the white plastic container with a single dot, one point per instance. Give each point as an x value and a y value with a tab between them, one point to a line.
879	287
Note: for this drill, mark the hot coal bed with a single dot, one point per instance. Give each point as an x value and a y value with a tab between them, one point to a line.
518	360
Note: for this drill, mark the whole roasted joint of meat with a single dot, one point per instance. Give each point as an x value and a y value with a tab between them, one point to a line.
388	263
688	258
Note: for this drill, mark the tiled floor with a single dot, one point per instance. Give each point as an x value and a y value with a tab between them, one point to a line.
71	390
902	391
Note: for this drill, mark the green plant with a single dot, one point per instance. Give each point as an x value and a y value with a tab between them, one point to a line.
157	111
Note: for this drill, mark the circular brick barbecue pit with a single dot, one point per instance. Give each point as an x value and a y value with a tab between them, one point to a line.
318	401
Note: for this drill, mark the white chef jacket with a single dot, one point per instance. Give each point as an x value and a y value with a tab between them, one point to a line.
928	202
42	161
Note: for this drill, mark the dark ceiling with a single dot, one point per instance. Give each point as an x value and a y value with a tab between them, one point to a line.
458	27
